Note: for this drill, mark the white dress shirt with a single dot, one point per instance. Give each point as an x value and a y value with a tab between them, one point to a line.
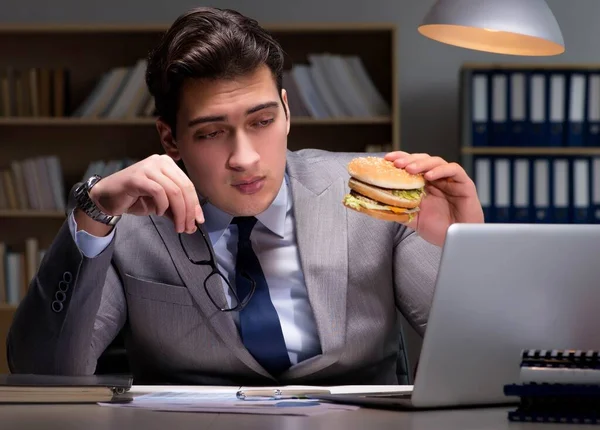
274	242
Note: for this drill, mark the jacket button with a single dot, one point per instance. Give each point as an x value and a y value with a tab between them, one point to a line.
57	306
63	286
67	277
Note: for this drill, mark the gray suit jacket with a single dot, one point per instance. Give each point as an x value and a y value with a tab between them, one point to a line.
358	272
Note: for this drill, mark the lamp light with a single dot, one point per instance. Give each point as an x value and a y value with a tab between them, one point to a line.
514	27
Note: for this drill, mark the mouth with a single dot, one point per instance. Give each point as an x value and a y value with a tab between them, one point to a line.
249	185
248	181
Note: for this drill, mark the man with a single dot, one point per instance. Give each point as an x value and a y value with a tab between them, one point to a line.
309	289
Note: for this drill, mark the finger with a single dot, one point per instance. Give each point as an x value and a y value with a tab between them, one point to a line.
144	186
394	155
175	196
451	171
189	193
425	164
410	158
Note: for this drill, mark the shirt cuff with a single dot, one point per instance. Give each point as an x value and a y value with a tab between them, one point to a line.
88	244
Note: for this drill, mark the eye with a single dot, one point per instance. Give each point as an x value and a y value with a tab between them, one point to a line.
207	136
264	122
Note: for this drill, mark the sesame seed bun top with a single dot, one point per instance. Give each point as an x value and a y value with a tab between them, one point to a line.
382	173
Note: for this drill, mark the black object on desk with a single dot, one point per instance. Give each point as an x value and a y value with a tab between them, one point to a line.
557	386
30	388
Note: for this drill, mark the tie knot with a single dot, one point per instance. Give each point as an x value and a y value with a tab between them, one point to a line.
245	225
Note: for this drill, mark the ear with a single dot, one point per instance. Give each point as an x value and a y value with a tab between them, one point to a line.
167	140
287	108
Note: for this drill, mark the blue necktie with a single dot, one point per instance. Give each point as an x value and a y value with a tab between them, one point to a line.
259	323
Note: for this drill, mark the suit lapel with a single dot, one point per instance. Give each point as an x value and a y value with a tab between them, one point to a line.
193	277
321	234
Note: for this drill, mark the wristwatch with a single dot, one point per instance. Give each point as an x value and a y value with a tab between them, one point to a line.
81	199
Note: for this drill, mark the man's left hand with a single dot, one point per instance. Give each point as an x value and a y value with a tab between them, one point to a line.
450	195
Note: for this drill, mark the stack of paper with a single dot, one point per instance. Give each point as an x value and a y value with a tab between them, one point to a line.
216	399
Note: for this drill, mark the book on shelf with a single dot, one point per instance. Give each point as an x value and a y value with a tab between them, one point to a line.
107	167
37	184
326	86
17	269
33	184
120	93
332	85
34	91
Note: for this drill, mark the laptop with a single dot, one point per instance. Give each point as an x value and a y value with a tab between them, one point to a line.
501	288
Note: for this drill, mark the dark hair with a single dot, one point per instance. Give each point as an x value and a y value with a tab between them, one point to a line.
208	43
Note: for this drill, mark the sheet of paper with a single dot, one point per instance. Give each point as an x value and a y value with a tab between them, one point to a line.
226	402
147	389
342	389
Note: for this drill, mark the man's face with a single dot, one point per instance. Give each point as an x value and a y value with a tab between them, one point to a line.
232	138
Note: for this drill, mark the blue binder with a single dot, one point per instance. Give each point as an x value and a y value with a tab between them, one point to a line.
538	120
479	108
542	189
483	178
581	190
592	112
522	190
576	111
499	109
557	106
560	197
501	190
518	107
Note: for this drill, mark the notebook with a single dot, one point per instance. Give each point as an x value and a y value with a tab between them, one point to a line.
558	386
29	388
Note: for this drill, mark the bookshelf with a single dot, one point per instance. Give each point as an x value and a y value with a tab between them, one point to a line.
530	139
48	71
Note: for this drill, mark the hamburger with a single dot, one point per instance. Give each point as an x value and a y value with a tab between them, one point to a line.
382	190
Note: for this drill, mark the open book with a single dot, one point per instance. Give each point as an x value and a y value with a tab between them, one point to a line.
28	388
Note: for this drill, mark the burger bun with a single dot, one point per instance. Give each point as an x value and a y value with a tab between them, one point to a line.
382	196
382	173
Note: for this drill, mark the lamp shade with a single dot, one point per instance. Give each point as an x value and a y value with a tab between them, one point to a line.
514	27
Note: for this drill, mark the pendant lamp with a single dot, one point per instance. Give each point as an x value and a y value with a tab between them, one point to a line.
513	27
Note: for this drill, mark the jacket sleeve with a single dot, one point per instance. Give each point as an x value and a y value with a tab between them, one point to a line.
416	265
73	309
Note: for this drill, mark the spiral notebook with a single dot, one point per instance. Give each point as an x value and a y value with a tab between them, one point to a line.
572	358
29	388
557	386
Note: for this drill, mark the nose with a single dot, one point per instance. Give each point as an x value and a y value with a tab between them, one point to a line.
243	155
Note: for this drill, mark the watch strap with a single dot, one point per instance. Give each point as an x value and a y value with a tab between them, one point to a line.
84	202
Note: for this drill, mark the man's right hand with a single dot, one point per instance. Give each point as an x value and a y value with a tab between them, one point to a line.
155	185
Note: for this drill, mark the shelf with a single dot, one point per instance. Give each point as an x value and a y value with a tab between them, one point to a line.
7	307
75	122
341	121
529	66
31	214
102	122
507	150
291	27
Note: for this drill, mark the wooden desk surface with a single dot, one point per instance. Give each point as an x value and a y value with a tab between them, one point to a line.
92	417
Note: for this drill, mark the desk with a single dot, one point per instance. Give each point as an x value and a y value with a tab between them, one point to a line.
92	417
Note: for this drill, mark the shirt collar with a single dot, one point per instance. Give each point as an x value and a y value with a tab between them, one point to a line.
216	221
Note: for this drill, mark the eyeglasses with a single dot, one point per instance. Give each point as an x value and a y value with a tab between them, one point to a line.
211	283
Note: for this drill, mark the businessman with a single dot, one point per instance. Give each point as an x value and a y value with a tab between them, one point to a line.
229	259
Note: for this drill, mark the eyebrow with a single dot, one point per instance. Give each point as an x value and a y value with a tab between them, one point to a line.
216	118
